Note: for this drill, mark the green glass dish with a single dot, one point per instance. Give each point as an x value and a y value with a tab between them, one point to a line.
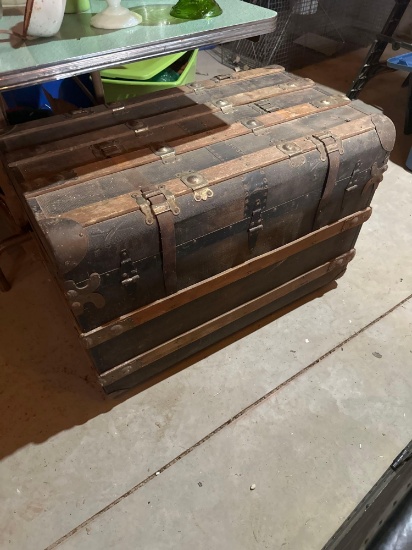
196	9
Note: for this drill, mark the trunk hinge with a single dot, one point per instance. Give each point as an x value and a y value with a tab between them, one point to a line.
333	148
166	153
198	184
106	149
256	192
127	269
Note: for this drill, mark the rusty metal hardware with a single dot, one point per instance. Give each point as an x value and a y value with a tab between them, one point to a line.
256	192
106	149
376	177
80	295
220	77
290	148
199	185
255	125
127	269
331	142
149	209
5	245
144	206
138	126
197	86
354	179
166	153
224	105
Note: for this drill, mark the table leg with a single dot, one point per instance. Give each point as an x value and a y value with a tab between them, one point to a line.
98	86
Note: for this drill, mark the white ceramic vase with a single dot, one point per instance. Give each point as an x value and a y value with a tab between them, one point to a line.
43	17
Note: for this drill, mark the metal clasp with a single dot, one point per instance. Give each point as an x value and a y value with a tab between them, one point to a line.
199	185
144	206
166	153
255	125
331	142
224	105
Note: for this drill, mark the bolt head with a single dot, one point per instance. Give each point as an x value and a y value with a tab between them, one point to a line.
194	179
222	103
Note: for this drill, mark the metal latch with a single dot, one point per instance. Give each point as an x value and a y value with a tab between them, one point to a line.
224	105
150	210
331	142
106	149
127	269
144	206
166	153
255	125
199	185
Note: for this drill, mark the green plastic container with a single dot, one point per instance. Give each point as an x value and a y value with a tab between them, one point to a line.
135	79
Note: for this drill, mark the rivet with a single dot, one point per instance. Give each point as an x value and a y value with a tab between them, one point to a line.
116	329
164	150
194	179
221	103
251	122
325	102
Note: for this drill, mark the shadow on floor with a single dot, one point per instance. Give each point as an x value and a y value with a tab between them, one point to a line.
384	91
48	385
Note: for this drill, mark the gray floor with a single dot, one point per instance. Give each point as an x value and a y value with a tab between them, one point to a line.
310	405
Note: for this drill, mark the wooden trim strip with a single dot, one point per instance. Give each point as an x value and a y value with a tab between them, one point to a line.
123	204
155	122
148	357
185	144
160	307
112	112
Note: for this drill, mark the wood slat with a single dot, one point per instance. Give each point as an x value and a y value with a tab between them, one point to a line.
223	320
113	113
165	305
187	143
123	204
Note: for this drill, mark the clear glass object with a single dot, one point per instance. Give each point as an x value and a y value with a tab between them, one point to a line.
196	9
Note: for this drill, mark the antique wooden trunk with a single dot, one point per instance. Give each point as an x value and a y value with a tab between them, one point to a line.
174	220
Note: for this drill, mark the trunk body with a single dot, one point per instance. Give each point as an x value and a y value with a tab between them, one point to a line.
172	221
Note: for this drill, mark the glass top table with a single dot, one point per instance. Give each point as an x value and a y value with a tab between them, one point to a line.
79	48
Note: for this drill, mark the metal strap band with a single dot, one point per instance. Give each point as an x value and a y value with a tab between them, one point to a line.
168	244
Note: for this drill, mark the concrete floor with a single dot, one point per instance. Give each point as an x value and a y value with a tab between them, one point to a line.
310	405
